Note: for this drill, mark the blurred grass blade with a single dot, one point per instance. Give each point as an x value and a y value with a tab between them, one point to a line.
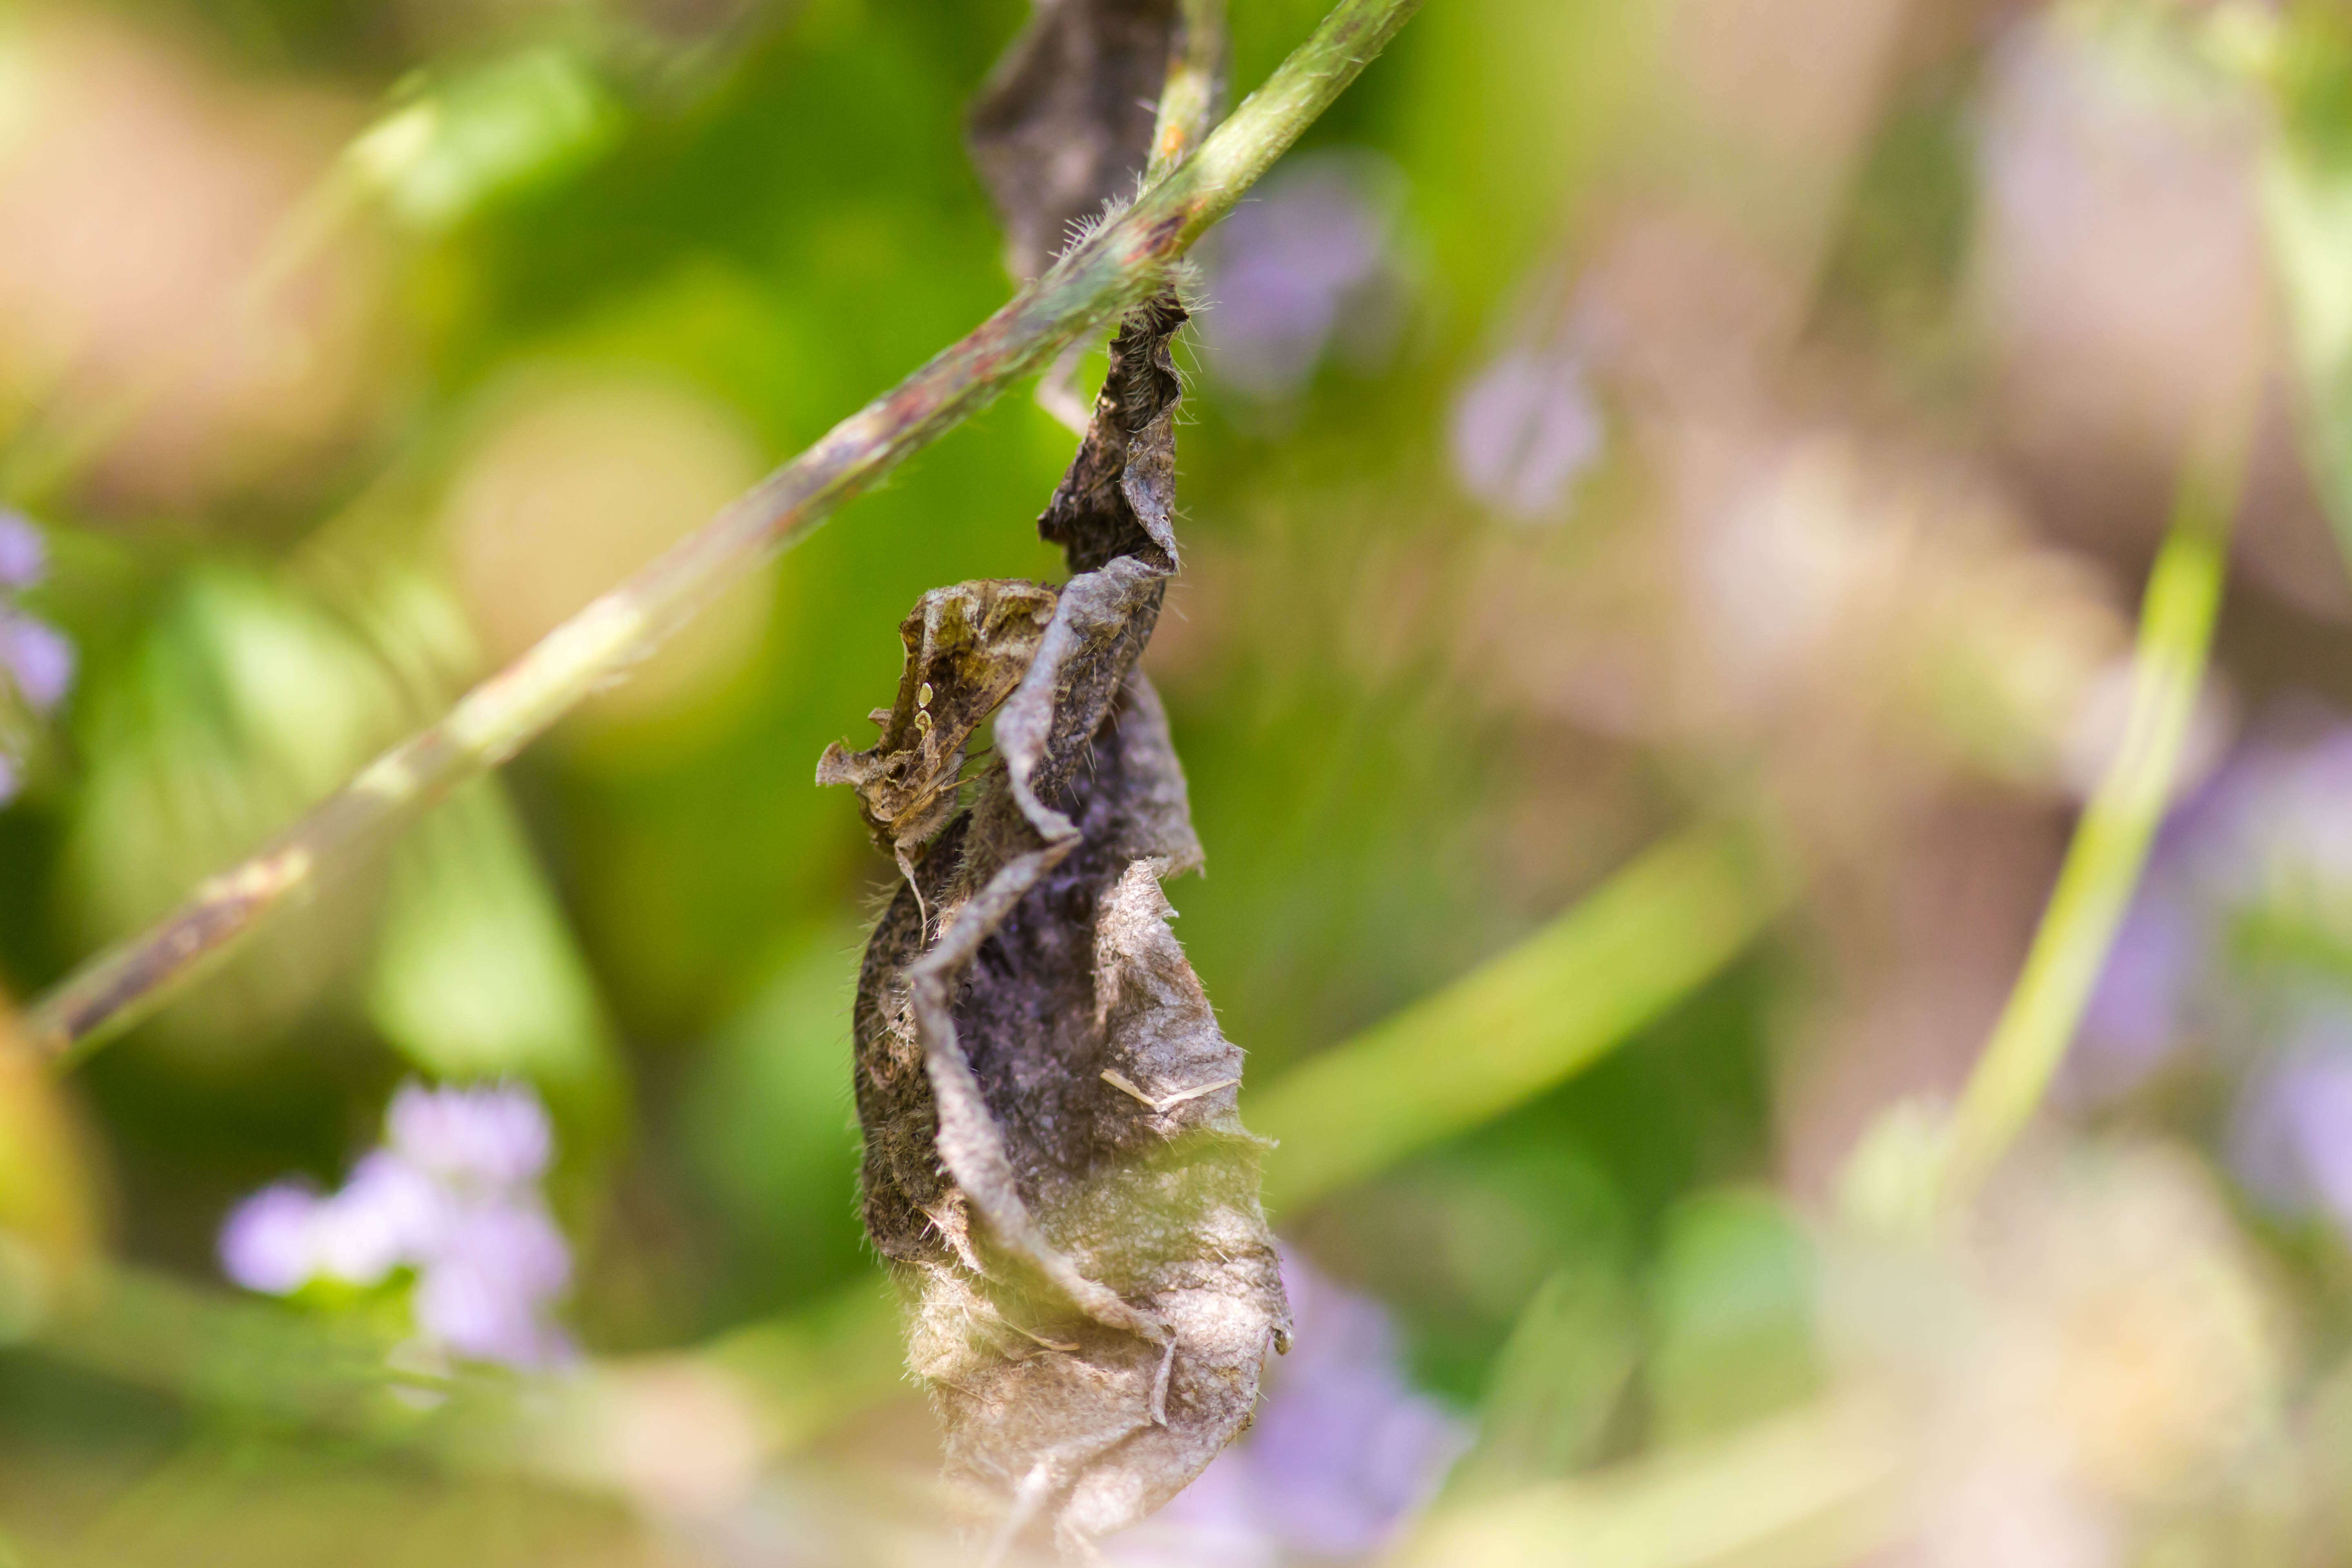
772	1388
306	1369
497	128
1504	1033
1195	86
2111	842
2310	221
48	1227
476	973
1813	1490
2307	210
1556	1386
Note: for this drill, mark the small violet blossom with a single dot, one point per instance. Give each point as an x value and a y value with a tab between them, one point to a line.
496	1138
24	554
1524	430
36	662
2270	831
1342	1455
2291	1140
2140	1007
1309	263
2249	892
454	1196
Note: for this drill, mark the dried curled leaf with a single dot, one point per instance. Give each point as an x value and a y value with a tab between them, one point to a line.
967	647
1055	1159
1065	122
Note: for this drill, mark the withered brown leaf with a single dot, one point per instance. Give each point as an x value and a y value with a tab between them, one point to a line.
1055	1160
1064	121
967	647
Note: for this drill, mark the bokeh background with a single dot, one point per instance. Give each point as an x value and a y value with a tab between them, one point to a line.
1668	490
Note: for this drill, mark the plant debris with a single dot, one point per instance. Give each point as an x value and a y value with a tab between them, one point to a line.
1066	119
1054	1161
967	647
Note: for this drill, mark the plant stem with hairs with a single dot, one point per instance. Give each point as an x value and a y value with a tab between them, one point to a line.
1188	102
1095	281
1196	71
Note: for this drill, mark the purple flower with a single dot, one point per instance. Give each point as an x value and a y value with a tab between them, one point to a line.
24	553
488	1281
36	662
268	1244
1343	1453
514	1239
2243	925
452	1198
2137	1014
1215	1519
2271	833
388	1214
2293	823
39	660
1303	264
2276	821
1524	431
2291	1141
1345	1450
498	1135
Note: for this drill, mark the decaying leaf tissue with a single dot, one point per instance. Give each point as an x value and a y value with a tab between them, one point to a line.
1066	119
1055	1162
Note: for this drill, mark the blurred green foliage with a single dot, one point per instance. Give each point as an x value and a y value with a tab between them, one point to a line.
779	222
1543	1142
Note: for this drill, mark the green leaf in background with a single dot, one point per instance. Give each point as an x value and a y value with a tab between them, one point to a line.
484	133
245	700
1559	1385
769	1132
2307	206
1732	1303
476	973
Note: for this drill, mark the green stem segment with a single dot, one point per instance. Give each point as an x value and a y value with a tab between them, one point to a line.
2111	843
1196	72
1097	279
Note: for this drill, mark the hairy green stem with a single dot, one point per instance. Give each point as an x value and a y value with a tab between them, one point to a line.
1188	102
2111	842
1098	277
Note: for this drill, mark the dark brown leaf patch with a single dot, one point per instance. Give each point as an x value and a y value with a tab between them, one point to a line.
1065	122
967	647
